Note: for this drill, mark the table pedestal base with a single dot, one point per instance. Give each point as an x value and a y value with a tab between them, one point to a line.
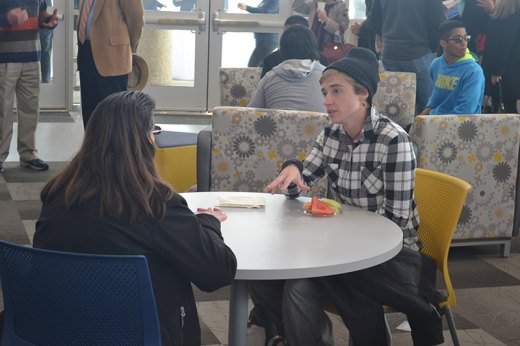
238	313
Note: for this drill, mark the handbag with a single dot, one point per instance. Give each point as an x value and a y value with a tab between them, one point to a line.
334	51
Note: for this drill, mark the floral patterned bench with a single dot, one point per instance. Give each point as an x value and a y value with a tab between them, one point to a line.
237	85
482	150
395	97
249	145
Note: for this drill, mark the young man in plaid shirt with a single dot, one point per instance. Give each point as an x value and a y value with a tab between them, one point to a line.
369	162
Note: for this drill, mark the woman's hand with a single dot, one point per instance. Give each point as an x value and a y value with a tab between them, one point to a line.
290	174
322	15
355	28
495	79
241	6
216	212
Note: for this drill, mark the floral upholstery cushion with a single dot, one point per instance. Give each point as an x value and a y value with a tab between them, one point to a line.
249	145
395	96
237	85
482	150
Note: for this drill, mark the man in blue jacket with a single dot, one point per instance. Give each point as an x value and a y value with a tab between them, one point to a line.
457	77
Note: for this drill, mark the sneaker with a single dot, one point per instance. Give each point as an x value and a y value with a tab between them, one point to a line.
276	341
36	164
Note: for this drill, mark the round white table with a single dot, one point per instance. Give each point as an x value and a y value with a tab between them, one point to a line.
279	241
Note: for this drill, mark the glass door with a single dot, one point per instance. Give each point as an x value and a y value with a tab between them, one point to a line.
234	37
186	41
175	44
56	92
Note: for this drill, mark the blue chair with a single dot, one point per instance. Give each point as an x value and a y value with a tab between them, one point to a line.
58	298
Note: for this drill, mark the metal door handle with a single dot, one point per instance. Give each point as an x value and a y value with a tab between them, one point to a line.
200	22
217	22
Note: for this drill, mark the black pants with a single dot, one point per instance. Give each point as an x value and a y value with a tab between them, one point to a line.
95	87
358	298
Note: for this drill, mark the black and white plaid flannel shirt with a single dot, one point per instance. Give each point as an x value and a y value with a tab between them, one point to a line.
374	172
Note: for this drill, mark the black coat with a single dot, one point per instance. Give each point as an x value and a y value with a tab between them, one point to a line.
476	20
502	54
182	249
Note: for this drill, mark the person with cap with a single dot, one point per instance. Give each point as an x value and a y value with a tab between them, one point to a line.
108	34
369	163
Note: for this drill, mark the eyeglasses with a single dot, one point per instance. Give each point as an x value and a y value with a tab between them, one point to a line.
156	130
460	38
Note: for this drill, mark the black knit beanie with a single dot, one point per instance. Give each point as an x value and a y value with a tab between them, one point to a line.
360	64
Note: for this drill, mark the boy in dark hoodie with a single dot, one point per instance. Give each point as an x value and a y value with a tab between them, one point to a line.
457	77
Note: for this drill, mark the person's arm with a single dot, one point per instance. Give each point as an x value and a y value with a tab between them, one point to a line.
398	167
312	167
46	20
193	245
338	21
133	13
266	6
296	176
471	92
302	6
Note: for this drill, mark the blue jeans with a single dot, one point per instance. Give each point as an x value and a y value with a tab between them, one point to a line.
46	50
262	49
421	68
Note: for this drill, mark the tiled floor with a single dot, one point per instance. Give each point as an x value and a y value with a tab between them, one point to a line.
487	286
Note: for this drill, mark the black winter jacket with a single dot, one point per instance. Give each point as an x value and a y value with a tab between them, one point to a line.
182	249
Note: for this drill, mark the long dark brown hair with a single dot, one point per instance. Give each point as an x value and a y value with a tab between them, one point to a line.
115	164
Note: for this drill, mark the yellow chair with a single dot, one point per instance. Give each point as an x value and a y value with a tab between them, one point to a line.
440	198
176	159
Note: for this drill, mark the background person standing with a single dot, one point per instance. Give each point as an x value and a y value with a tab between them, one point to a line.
500	62
20	22
327	23
46	36
265	42
108	34
409	31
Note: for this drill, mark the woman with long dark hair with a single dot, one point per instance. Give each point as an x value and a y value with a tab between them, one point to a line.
110	200
293	84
